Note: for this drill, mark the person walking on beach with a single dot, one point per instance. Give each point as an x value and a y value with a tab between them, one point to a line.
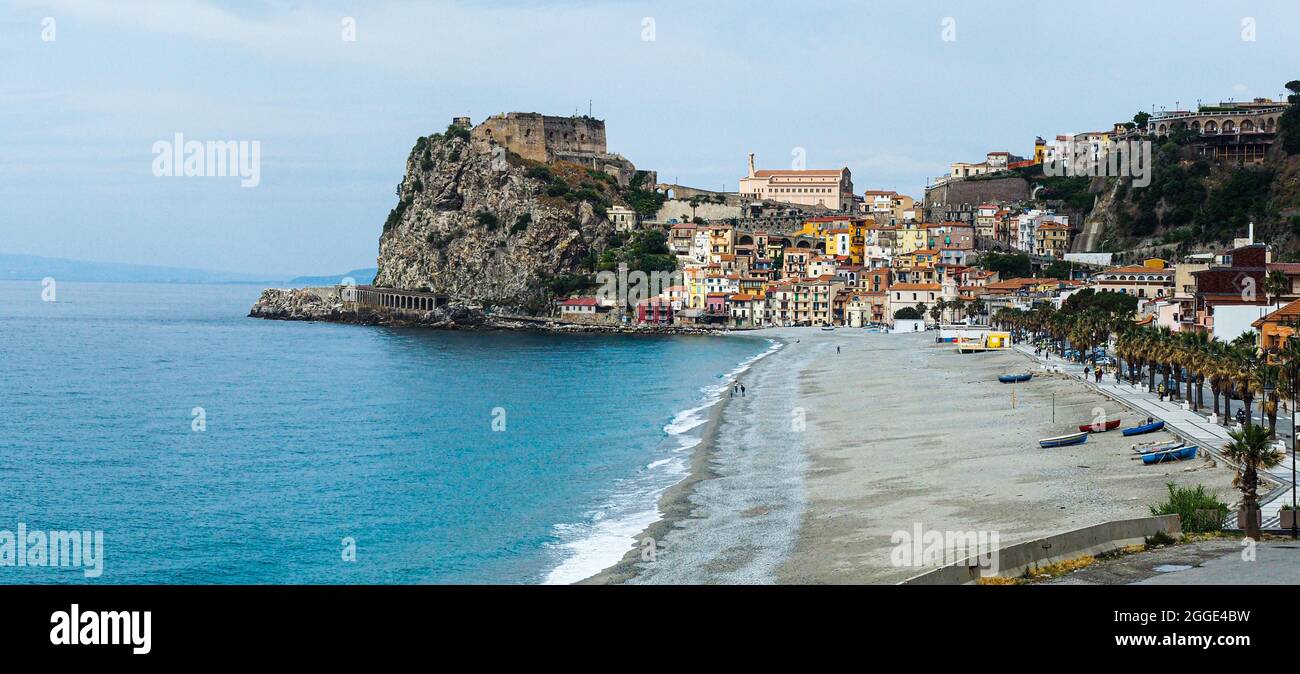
837	348
735	388
742	390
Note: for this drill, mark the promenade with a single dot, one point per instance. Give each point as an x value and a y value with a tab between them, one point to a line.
1194	427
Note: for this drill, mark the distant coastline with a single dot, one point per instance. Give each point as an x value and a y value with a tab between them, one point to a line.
14	267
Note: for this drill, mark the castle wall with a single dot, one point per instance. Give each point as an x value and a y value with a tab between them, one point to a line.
543	138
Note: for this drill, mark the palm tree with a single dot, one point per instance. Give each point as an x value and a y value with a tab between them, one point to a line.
1276	284
1269	376
1251	451
1246	373
936	311
1196	345
1219	372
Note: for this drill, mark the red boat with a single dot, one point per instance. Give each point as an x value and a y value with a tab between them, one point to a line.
1100	428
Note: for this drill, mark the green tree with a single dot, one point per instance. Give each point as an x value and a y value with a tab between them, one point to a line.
1288	127
1250	452
1007	265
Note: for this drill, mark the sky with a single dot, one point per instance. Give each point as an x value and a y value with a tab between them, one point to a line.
895	90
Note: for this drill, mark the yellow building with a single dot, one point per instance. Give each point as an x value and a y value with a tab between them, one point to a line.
695	290
910	236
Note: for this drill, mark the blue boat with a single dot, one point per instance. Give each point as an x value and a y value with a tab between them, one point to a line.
1144	429
1179	454
1016	378
1064	440
1159	447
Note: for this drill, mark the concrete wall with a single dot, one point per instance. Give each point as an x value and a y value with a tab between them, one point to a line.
676	208
1013	560
974	193
1232	320
908	325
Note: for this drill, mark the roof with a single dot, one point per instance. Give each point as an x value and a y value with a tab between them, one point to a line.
768	173
916	286
1290	312
1137	269
741	297
1016	284
579	302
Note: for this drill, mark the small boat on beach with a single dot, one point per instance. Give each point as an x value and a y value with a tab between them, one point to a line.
1144	429
1100	428
1179	454
1016	378
1064	440
828	328
1157	447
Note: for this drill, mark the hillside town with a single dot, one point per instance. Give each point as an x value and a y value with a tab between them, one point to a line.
800	247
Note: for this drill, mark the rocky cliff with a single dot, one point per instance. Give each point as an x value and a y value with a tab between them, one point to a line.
487	227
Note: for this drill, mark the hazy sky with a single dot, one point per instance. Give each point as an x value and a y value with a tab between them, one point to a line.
871	85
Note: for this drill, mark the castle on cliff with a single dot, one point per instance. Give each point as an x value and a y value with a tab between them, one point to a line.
545	138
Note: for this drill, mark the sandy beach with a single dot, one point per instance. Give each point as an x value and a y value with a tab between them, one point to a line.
806	477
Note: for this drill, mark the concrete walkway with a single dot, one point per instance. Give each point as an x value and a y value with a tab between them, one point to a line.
1218	561
1194	427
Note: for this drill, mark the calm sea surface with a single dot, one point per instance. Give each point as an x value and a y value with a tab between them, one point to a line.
317	433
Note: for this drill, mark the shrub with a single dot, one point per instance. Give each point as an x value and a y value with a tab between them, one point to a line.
1189	504
454	131
557	188
521	223
395	215
487	219
908	314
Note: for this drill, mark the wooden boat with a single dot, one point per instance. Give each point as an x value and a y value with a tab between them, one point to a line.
1064	440
1180	454
1144	428
1157	447
828	328
1100	428
1016	378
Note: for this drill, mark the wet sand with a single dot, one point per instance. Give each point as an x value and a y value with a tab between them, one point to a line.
896	432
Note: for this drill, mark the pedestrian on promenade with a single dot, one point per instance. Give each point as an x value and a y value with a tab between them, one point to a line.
1098	374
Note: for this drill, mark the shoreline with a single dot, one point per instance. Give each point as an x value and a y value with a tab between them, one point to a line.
900	433
675	505
323	305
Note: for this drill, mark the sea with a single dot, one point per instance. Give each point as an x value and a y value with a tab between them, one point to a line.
213	448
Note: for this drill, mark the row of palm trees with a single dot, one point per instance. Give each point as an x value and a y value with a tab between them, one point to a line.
1177	364
1184	363
958	309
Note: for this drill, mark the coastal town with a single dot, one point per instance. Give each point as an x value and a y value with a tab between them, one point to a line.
801	247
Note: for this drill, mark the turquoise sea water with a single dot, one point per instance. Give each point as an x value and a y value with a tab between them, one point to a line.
317	432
